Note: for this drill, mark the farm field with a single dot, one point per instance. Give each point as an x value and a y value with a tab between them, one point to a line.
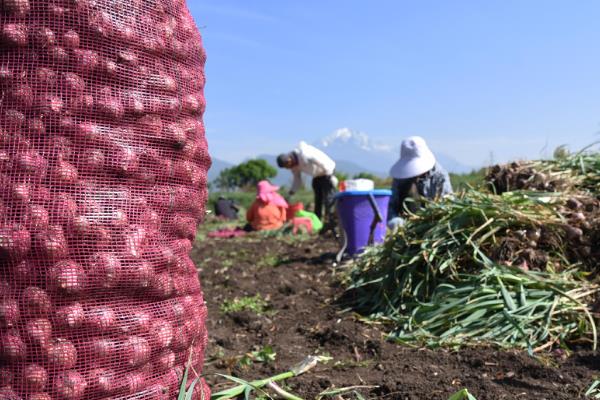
274	300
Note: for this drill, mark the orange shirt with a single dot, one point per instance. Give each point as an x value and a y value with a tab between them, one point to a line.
265	216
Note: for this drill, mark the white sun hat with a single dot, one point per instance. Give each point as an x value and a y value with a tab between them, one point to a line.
415	159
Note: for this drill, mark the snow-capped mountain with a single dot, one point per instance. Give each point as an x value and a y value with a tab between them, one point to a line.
359	140
358	147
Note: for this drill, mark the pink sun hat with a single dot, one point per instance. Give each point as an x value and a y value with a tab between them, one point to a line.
267	192
266	187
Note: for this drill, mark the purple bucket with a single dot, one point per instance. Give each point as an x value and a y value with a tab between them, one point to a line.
356	214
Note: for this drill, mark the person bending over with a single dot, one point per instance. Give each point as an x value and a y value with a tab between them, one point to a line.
313	162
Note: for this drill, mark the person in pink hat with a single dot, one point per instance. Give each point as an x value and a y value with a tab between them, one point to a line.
416	175
269	209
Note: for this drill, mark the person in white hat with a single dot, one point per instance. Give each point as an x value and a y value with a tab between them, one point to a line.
416	174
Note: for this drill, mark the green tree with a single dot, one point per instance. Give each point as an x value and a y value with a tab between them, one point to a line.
341	176
245	175
365	175
227	179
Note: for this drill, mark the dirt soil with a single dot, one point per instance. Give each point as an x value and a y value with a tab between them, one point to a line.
300	285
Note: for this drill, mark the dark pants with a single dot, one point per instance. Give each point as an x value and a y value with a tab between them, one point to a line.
324	192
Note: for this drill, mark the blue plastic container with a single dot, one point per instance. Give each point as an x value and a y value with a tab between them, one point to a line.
357	210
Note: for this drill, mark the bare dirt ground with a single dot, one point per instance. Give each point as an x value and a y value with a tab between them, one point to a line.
296	315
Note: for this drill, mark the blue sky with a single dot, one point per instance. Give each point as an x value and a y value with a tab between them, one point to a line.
478	79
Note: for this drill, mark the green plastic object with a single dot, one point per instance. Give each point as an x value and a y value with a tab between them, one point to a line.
317	225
